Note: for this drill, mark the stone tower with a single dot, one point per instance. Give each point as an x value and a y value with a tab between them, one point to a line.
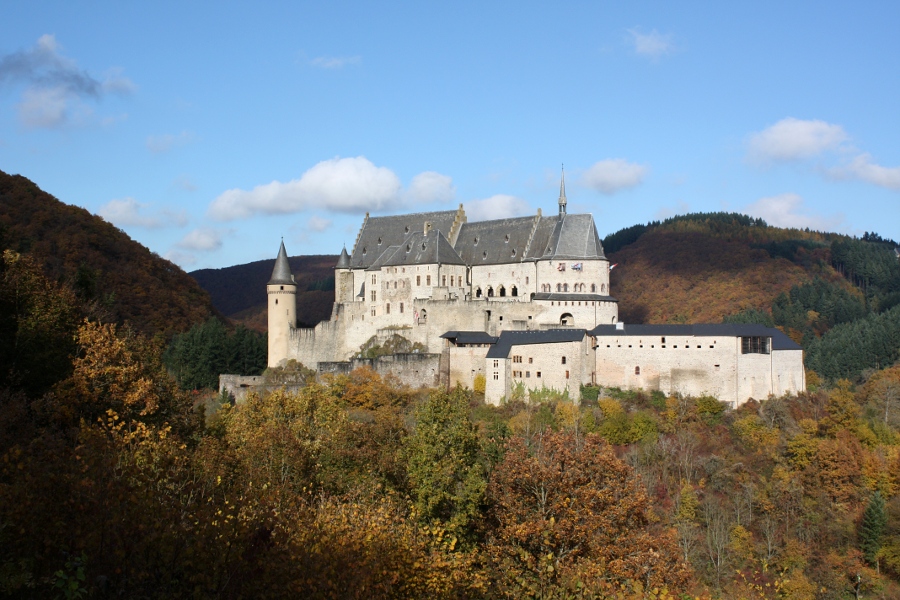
282	293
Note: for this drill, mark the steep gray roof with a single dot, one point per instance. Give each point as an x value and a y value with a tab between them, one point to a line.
779	340
380	233
344	260
508	339
281	274
422	249
574	237
494	242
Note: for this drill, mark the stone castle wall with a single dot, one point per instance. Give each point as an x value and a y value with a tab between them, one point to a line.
414	370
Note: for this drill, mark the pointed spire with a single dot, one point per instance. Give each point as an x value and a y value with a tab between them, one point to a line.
281	274
344	260
562	193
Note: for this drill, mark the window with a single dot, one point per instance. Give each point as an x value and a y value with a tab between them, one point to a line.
530	360
418	280
451	281
478	292
490	292
662	340
276	300
496	376
756	345
401	308
428	280
373	279
593	287
538	374
637	370
527	374
395	285
444	280
514	292
563	360
558	287
502	291
496	364
374	295
373	312
517	359
565	287
387	308
567	374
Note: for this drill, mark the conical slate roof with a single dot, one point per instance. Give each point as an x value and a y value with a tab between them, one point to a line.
344	260
281	274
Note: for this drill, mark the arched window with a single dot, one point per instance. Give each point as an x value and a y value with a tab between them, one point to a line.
514	292
565	287
603	288
387	308
558	287
637	370
423	316
502	292
478	292
490	292
593	287
566	320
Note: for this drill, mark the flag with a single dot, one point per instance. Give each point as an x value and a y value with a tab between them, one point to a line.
613	266
561	267
576	267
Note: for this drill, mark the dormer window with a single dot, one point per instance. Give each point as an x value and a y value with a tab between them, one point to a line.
406	229
484	254
364	249
423	245
408	247
506	239
514	252
475	241
379	241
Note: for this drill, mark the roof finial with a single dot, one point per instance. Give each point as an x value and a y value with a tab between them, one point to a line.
562	193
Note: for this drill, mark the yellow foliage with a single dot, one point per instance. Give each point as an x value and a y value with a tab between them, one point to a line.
567	415
753	432
610	407
478	385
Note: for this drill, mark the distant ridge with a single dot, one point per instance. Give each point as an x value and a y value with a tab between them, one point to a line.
239	292
99	261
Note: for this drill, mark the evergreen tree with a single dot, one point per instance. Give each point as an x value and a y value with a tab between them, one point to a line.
872	527
444	468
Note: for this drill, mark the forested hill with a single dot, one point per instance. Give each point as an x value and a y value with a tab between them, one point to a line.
122	278
704	267
239	292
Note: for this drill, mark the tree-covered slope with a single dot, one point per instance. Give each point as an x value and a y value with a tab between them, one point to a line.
125	280
702	268
239	292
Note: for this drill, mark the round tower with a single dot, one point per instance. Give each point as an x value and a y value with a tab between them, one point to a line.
282	293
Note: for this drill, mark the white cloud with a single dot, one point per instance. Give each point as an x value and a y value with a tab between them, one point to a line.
335	62
126	212
795	139
318	223
55	88
788	210
613	175
202	240
159	144
182	259
44	107
501	206
653	44
431	187
348	185
864	169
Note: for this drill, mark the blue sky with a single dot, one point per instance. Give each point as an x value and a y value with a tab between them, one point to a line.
209	131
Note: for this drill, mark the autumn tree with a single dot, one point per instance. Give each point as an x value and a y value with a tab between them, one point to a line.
568	514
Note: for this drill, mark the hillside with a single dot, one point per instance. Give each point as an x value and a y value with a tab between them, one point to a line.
701	268
123	279
239	292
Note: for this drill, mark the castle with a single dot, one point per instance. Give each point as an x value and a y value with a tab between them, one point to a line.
517	301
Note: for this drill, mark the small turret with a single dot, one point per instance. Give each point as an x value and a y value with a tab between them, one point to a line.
562	194
344	260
